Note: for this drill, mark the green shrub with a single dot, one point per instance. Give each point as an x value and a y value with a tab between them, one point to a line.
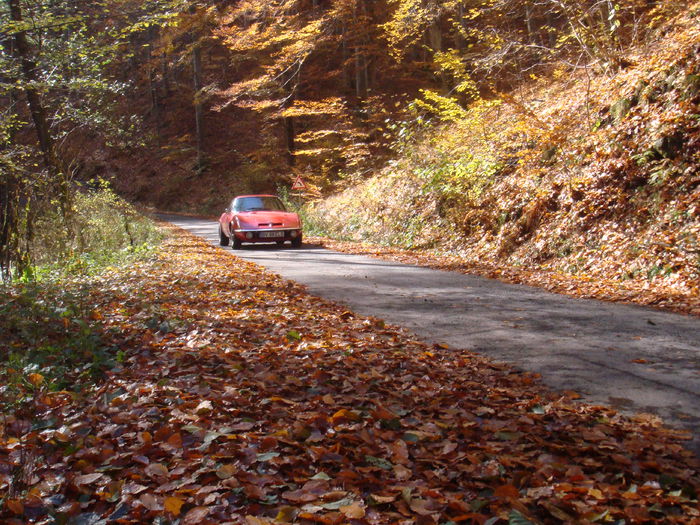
102	230
311	223
465	178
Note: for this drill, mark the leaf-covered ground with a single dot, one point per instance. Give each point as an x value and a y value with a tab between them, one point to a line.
241	399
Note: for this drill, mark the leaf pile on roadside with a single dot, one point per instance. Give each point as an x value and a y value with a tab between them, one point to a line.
217	415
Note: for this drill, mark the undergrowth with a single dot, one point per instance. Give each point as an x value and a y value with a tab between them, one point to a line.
51	342
104	230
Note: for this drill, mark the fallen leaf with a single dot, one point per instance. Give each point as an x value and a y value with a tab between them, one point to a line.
175	440
506	492
335	505
204	408
421	507
87	479
195	516
15	505
353	511
382	499
255	520
226	471
173	505
299	496
157	470
35	379
286	514
151	502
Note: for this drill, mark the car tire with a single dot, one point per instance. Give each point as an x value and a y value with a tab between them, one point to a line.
280	243
237	244
296	243
223	240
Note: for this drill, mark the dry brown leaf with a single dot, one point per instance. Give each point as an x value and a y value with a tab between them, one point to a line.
353	511
157	470
87	479
151	502
195	515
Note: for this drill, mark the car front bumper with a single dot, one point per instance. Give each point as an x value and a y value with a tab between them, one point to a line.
268	234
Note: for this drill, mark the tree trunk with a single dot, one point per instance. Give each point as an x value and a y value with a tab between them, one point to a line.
365	68
197	85
460	45
199	125
166	71
347	82
36	107
435	35
551	36
152	83
155	103
8	189
290	134
435	38
528	22
361	76
8	222
360	89
38	112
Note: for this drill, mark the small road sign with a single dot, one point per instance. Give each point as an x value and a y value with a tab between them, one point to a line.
298	184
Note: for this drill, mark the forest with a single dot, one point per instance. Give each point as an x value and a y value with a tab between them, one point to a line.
487	125
147	376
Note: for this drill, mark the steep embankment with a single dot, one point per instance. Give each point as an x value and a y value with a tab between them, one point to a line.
587	173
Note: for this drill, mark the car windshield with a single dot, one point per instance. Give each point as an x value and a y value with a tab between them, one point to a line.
258	204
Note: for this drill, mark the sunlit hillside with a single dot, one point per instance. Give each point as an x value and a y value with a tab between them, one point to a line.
589	172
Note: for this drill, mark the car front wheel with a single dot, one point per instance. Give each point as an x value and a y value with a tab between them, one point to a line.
223	240
296	243
237	244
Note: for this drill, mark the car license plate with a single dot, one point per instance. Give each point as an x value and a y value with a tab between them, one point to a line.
271	235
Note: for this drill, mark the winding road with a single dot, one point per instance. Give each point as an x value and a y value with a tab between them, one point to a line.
633	358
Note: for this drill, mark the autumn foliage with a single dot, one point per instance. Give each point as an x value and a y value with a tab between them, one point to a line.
554	141
239	398
507	120
584	182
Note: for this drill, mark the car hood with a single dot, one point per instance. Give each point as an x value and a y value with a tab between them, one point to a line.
268	219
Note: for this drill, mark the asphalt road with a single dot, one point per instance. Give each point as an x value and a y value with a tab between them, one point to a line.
575	344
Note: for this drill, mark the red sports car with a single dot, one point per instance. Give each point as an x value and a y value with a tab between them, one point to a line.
258	218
